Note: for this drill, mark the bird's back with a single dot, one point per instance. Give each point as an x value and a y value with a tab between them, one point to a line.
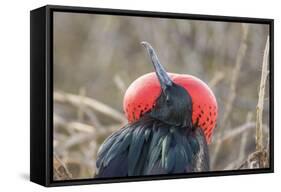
150	147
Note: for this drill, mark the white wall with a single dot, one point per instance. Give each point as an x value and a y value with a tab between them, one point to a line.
14	95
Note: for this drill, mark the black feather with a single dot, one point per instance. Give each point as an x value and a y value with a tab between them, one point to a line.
201	160
151	147
138	138
117	167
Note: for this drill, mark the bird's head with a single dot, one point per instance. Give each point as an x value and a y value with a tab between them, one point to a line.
174	105
179	100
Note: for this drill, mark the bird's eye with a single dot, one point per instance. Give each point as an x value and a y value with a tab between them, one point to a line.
168	100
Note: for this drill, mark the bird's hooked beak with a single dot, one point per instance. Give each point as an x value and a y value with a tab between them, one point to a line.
162	75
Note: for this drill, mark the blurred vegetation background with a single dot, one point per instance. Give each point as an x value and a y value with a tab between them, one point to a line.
96	57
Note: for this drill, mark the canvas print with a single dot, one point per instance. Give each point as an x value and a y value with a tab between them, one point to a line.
140	96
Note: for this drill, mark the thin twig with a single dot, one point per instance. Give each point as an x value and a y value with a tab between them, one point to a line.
217	78
235	132
91	103
120	83
80	132
81	106
81	127
244	139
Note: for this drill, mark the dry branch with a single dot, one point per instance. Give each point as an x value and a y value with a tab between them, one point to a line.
217	78
120	83
259	158
264	74
60	170
232	93
74	140
91	103
81	127
235	132
84	135
235	75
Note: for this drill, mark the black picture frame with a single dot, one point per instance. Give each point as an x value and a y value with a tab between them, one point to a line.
41	94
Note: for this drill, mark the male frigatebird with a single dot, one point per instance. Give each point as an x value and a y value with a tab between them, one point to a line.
171	118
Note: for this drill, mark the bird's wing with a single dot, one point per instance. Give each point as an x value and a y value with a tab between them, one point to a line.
171	150
150	147
111	157
201	159
123	153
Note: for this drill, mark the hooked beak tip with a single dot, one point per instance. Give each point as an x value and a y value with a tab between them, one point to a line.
148	47
144	43
162	75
